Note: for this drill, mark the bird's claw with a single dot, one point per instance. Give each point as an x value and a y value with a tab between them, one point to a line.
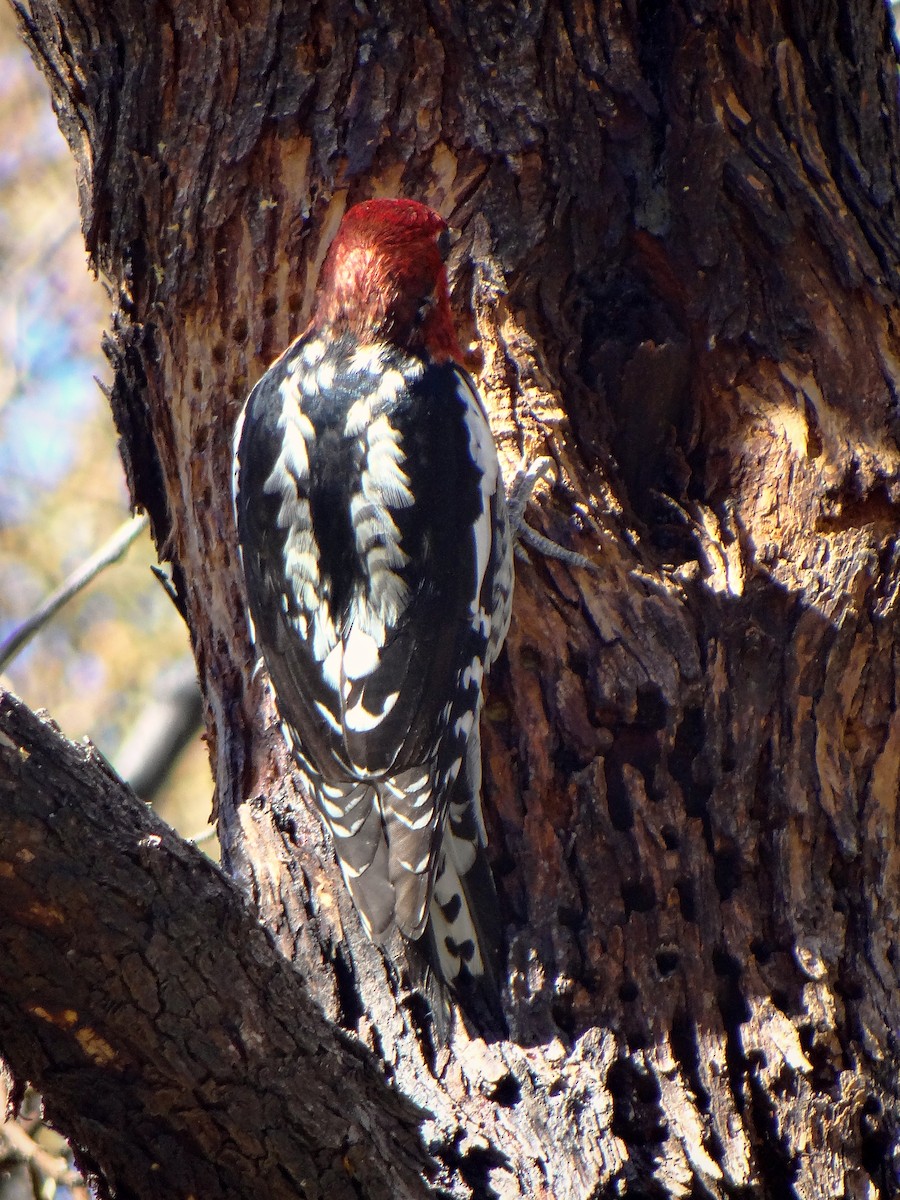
517	498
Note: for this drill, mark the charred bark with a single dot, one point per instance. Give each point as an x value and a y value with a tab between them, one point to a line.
679	256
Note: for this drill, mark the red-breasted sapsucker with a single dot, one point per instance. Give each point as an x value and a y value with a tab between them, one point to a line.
377	556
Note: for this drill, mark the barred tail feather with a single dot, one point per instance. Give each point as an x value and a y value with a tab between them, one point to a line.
464	938
441	899
353	817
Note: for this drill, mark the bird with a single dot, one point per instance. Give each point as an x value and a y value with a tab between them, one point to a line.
377	557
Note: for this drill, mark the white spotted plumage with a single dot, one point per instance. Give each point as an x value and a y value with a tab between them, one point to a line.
377	556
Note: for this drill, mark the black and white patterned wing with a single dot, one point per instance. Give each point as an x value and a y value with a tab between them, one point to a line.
367	500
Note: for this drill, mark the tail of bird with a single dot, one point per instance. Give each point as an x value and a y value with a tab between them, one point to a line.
438	893
463	941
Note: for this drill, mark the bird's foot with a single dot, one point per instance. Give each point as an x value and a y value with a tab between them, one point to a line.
517	497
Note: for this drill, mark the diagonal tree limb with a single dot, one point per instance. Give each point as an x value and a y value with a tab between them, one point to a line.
168	1035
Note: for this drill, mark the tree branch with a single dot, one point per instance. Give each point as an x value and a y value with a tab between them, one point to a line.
168	721
110	552
139	993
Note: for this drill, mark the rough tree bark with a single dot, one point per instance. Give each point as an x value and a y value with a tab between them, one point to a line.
680	257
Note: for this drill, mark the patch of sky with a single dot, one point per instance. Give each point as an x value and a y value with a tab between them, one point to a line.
39	424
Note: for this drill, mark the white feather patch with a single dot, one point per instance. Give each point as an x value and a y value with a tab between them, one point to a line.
384	486
361	656
359	719
330	719
367	359
312	353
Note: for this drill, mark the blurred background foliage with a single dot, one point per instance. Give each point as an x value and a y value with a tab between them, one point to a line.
101	665
110	651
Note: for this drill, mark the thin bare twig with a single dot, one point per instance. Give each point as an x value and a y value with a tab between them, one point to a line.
111	551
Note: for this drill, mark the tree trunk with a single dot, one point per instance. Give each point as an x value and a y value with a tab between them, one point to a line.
680	258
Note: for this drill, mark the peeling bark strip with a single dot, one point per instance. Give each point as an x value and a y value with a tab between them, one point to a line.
679	254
